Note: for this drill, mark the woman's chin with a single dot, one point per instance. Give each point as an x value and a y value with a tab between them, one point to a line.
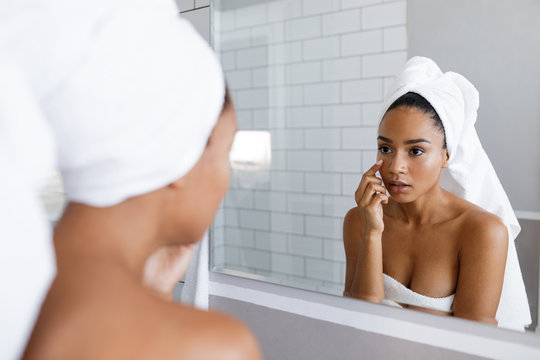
401	198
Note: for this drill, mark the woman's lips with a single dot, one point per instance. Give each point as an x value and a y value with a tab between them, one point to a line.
398	187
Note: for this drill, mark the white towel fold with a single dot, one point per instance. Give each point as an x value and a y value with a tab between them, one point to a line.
395	292
196	281
470	174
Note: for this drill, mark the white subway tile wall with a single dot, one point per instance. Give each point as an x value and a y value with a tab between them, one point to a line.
313	73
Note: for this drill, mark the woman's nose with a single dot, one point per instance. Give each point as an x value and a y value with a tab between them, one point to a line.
398	164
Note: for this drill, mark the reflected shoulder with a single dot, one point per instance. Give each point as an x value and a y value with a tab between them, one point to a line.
483	230
482	260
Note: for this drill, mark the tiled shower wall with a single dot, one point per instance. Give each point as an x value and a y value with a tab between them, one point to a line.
313	74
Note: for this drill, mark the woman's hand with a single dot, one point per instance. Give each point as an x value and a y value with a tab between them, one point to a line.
165	267
370	196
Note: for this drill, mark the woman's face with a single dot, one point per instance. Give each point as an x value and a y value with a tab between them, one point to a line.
199	192
411	147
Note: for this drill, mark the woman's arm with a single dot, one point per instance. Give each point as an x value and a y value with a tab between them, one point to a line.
362	233
482	261
352	232
363	278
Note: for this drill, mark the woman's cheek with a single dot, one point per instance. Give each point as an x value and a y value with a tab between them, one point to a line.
430	167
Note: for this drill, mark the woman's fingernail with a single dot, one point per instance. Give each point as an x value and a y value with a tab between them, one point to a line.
379	162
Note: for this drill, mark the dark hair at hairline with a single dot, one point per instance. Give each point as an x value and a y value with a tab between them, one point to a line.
417	101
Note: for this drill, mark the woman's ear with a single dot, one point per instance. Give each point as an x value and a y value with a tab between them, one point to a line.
446	158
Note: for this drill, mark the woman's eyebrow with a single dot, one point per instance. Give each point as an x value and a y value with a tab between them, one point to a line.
385	139
414	141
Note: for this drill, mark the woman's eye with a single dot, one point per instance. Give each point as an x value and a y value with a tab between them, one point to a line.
384	149
417	152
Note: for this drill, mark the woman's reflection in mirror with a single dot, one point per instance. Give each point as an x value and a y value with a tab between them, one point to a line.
411	243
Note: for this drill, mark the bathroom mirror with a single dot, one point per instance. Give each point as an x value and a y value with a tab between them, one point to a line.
308	79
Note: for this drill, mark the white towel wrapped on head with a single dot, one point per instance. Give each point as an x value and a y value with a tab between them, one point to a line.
137	113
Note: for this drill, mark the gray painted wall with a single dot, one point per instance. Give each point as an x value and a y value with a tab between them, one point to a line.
285	336
496	45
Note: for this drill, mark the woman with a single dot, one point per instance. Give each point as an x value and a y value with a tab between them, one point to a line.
421	245
98	308
144	126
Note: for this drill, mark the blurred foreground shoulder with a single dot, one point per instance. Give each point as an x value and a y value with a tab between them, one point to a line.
236	340
211	335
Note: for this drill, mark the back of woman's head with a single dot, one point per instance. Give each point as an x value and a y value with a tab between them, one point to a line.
127	126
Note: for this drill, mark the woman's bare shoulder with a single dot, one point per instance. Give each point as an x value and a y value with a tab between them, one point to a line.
483	246
149	327
480	228
473	216
207	334
120	320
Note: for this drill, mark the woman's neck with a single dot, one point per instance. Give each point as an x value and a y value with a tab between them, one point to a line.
122	236
424	210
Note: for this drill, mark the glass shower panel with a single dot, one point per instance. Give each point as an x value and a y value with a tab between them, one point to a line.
307	79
